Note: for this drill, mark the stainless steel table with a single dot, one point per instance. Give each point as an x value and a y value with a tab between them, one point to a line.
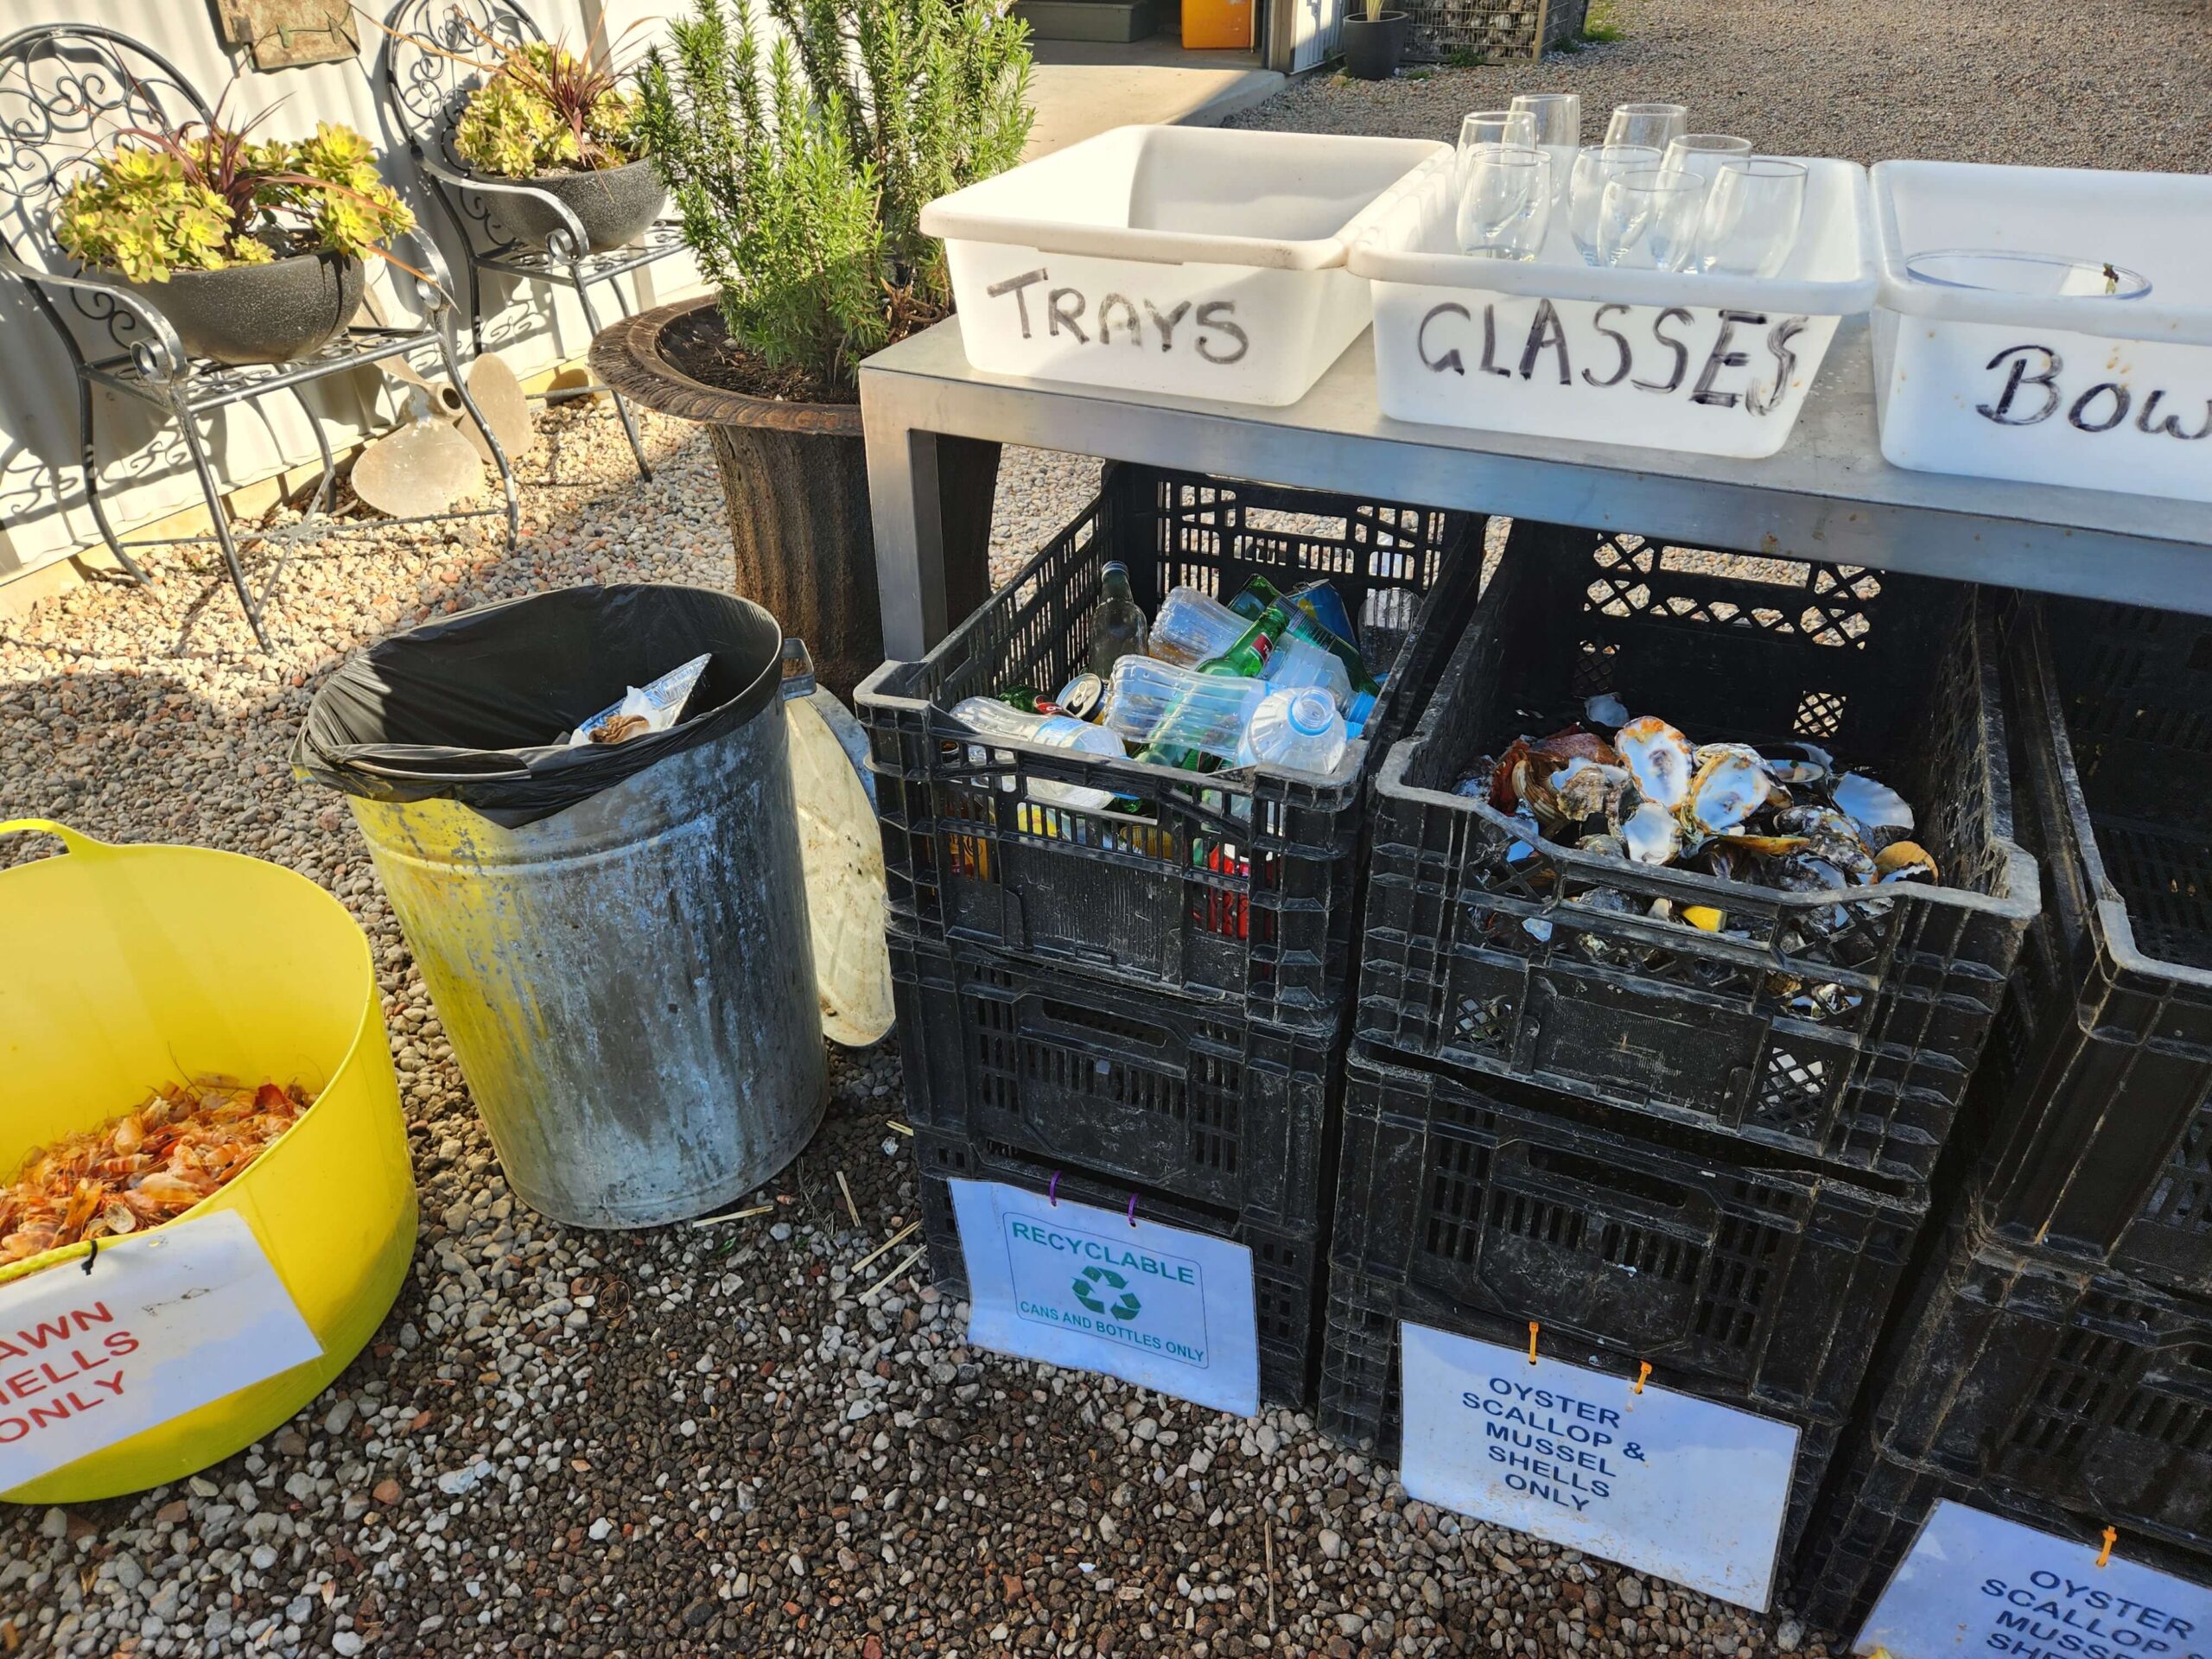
1828	495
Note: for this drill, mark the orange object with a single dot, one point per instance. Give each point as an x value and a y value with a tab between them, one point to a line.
1211	24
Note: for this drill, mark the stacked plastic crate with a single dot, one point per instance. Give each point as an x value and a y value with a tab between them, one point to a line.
2055	1365
1120	983
1705	1151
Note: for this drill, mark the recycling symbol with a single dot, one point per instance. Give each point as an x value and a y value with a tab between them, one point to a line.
1125	1306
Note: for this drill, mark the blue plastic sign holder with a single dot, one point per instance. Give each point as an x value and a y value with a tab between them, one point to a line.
1978	1583
1662	1482
1097	1291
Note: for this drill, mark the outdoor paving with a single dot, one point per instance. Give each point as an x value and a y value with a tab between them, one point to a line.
689	1441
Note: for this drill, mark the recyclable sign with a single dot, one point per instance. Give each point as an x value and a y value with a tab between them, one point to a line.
1085	1288
1978	1583
159	1327
1662	1482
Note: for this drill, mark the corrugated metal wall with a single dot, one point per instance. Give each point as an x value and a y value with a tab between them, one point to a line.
145	475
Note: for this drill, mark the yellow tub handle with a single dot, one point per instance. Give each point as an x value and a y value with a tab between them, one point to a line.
75	840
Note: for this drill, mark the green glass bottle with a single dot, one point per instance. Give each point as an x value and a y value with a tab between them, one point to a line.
1258	594
1028	698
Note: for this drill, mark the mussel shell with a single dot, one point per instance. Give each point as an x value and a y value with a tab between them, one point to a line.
1905	861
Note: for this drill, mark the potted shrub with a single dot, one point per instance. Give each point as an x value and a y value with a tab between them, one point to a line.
251	249
1374	43
800	172
553	118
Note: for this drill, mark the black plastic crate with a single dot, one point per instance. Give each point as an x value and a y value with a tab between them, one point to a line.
1286	1263
2089	1391
1485	957
1165	1094
1238	886
1874	1508
1475	1196
1359	1402
2100	1079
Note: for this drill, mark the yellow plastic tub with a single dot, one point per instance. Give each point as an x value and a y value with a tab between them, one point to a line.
129	965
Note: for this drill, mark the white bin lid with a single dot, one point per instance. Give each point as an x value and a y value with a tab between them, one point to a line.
843	855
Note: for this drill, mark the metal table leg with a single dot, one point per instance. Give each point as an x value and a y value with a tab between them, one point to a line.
906	502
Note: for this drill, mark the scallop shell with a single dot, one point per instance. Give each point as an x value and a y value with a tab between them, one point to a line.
1872	806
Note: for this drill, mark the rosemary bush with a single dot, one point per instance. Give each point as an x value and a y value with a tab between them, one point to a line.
801	170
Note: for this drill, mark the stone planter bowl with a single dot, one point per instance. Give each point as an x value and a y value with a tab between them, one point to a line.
613	206
273	312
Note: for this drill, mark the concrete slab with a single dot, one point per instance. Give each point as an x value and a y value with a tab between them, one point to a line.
1083	87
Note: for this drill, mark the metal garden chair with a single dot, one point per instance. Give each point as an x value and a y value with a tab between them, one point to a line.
64	88
426	91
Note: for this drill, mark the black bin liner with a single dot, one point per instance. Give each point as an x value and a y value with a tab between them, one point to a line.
472	708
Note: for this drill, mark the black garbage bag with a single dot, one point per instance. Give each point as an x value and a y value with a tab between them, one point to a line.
475	708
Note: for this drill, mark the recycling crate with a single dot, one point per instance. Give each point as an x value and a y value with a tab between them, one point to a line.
1235	888
1286	1262
1487	953
1360	1403
2088	1390
1165	1093
1875	1506
1460	1199
2099	1082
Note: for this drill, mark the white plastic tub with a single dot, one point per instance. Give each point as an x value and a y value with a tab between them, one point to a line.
2104	394
1195	261
1713	366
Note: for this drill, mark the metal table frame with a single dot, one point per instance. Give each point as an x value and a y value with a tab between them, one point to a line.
1828	495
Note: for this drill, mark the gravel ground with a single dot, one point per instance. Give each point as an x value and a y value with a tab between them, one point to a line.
689	1441
682	1441
2045	83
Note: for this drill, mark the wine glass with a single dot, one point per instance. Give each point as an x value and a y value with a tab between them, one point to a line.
1655	124
1491	127
1706	153
1595	166
1648	220
1557	117
1507	205
1750	219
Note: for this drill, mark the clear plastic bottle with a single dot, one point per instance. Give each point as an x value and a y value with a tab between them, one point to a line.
1118	628
991	718
1301	728
1300	662
1193	627
1174	712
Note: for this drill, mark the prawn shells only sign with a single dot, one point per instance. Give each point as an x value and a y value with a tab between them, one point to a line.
160	1327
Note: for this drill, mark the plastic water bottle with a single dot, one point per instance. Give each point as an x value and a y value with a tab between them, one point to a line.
994	719
1301	728
1192	627
1117	622
1300	662
1179	713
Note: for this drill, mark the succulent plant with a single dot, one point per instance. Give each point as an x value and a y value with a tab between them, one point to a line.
542	108
204	197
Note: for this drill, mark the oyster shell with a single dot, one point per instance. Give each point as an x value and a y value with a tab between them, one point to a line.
1660	756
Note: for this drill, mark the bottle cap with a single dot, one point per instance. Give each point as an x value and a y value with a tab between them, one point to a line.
1113	564
1311	712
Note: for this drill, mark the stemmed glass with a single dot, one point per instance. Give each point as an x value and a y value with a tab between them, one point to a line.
1751	218
1491	127
1506	206
1648	220
1595	166
1557	117
1655	124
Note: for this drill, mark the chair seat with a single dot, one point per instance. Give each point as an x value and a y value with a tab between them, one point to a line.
662	238
211	384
